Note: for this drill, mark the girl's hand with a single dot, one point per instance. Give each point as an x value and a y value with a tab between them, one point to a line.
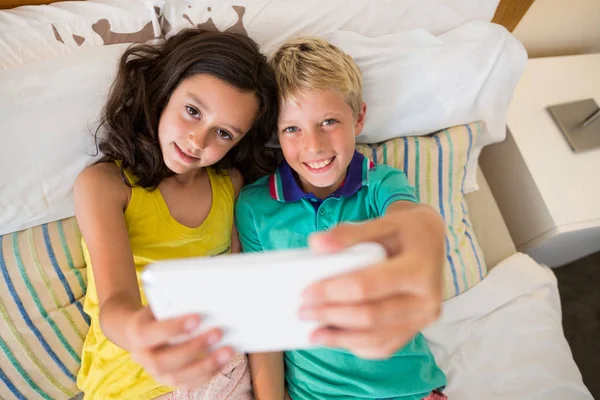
375	311
184	365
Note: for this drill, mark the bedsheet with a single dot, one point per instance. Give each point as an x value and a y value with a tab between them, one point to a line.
503	339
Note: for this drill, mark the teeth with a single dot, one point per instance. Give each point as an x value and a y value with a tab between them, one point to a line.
320	164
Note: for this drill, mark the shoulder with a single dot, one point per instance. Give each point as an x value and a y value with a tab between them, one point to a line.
260	187
103	181
384	173
382	169
236	179
257	192
105	173
388	184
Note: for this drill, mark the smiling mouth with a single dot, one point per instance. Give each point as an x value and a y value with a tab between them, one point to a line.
186	157
319	165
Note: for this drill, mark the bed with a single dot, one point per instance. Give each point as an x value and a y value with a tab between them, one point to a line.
500	334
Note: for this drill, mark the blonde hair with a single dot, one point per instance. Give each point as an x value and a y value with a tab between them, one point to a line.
310	63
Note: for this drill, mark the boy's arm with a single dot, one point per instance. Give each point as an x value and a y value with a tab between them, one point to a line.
375	311
267	369
268	379
238	181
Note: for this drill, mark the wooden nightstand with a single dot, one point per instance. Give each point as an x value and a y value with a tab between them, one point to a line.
549	195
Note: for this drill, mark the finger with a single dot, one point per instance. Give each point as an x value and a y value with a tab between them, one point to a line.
379	314
175	357
346	235
199	372
397	275
368	343
148	332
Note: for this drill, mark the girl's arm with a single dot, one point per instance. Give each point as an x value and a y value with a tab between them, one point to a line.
100	200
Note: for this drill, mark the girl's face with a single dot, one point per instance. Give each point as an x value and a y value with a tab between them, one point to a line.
204	118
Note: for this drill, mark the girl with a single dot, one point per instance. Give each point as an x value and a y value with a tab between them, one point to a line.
181	120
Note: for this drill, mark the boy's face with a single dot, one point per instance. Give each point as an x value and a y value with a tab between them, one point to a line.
317	135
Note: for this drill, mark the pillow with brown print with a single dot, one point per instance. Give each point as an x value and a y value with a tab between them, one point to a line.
271	22
34	33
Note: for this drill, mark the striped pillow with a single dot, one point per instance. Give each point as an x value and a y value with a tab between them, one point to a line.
42	323
436	166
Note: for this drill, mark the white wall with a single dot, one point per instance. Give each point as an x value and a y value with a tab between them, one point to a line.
560	27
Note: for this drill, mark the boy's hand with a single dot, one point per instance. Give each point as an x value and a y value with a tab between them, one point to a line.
184	365
375	311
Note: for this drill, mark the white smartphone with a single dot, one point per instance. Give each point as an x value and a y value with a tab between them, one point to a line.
253	297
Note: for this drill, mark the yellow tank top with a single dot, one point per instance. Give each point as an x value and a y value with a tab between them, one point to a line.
107	371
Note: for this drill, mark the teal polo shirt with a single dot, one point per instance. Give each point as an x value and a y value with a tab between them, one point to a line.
274	213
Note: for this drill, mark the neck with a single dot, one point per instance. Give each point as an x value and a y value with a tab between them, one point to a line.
189	177
319	192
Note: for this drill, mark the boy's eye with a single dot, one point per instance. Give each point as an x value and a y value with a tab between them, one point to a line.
329	121
223	134
192	111
291	129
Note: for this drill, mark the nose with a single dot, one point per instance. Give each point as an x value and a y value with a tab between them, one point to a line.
314	141
197	138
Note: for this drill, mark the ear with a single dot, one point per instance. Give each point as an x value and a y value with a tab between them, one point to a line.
360	119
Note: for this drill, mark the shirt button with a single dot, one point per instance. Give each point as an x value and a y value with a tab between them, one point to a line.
324	228
322	211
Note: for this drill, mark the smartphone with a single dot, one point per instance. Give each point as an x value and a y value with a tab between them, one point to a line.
253	297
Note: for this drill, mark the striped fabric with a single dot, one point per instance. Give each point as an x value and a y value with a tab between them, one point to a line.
436	166
42	323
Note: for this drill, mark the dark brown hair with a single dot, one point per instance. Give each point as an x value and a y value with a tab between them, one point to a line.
147	76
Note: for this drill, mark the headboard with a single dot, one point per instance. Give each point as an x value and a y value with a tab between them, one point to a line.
508	13
16	3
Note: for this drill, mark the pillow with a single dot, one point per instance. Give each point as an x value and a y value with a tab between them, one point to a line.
56	65
48	112
436	165
42	323
416	83
29	34
270	22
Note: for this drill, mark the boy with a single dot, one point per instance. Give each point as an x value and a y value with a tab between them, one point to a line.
324	182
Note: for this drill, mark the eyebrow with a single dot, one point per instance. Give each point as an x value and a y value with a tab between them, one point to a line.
328	114
205	107
331	114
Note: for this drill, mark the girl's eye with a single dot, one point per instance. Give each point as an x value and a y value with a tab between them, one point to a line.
291	129
223	134
329	121
192	111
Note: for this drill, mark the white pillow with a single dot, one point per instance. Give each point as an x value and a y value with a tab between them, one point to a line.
416	83
50	104
56	65
270	22
48	111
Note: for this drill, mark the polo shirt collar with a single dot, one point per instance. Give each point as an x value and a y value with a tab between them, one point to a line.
284	187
